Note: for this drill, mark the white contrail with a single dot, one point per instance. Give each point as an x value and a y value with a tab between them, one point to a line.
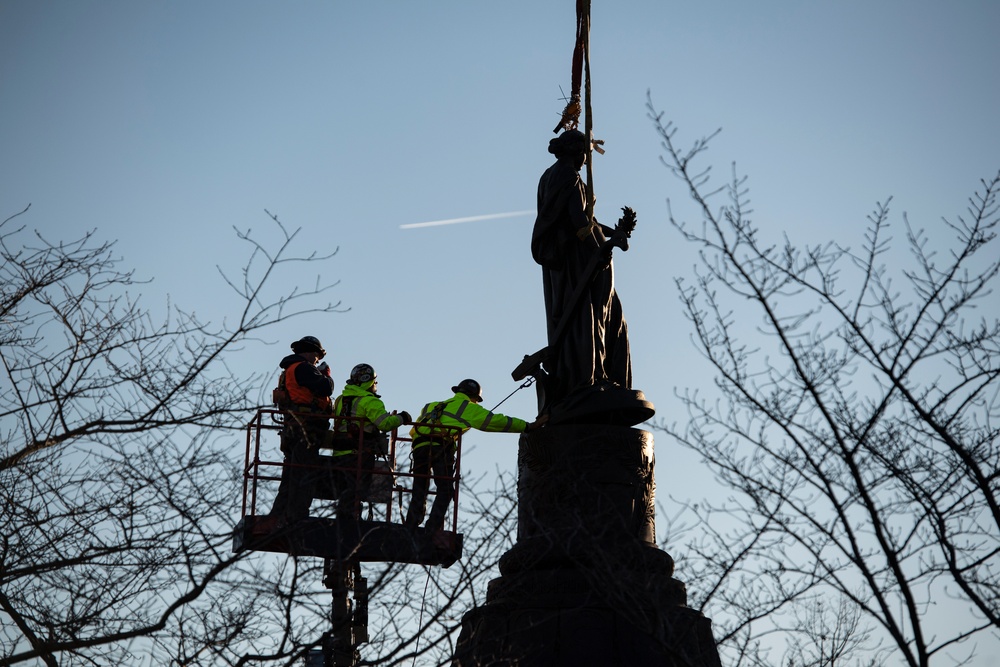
471	218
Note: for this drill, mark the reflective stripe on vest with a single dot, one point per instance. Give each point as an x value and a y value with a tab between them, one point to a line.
348	430
427	434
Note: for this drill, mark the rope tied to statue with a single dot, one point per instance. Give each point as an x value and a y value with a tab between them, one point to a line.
571	114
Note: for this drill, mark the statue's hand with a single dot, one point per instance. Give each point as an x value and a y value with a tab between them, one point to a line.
624	228
626	223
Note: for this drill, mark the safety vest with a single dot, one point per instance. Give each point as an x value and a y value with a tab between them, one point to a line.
300	396
441	422
357	401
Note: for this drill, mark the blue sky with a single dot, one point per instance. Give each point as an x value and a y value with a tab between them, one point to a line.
163	125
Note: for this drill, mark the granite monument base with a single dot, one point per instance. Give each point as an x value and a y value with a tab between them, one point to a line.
585	584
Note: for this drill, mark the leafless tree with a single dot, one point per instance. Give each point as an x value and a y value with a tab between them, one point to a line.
415	611
426	610
117	472
853	422
120	475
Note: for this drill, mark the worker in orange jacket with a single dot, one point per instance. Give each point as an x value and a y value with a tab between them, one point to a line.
304	396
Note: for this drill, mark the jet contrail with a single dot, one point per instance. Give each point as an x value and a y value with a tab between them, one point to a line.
471	218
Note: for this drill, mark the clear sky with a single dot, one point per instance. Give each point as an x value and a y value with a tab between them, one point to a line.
163	125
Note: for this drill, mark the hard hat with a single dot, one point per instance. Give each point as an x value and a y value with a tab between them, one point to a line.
309	344
471	389
361	374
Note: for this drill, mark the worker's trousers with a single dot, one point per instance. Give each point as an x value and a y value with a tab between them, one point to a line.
301	438
439	459
352	482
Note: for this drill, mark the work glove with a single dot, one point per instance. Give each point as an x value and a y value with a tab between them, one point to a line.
324	368
407	419
536	424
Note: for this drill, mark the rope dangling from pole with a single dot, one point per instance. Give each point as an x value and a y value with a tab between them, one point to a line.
571	114
583	26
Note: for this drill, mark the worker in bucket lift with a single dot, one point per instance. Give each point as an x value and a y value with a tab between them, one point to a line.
304	395
434	447
359	399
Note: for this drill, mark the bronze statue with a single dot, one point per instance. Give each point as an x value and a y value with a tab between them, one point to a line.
587	335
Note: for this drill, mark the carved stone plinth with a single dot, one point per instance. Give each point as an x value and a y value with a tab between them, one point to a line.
585	584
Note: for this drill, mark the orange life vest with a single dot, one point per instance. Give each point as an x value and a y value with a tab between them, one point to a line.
300	396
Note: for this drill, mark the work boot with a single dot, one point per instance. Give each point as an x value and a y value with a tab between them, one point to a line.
434	524
268	523
411	523
443	540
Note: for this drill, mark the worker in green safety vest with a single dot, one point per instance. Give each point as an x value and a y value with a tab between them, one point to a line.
359	399
435	434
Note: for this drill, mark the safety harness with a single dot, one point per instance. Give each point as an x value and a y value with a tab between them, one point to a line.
439	433
291	396
348	432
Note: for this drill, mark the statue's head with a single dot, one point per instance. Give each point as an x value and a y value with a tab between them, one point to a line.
571	144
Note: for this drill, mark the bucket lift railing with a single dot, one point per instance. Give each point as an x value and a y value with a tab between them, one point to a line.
387	477
456	476
343	553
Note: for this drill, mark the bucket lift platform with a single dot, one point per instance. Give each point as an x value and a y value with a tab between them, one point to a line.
378	539
368	541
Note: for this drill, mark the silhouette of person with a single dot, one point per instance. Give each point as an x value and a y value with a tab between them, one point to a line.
593	347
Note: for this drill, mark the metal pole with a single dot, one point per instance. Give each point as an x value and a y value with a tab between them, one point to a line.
589	123
349	627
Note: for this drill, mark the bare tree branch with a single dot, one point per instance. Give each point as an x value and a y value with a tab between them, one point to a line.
855	425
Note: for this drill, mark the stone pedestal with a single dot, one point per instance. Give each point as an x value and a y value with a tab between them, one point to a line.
585	584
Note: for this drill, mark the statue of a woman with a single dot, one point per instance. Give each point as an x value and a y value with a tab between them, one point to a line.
592	347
